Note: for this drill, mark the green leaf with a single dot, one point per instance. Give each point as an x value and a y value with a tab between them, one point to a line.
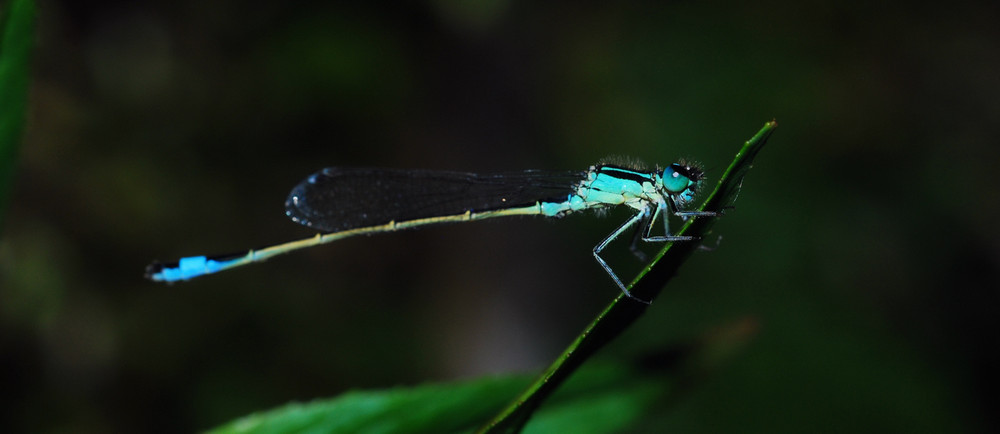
601	398
427	408
17	21
623	311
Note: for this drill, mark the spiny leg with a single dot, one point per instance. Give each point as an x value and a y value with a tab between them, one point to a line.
645	229
600	247
646	217
642	232
686	214
662	209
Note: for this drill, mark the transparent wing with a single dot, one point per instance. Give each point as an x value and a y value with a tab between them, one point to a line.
336	199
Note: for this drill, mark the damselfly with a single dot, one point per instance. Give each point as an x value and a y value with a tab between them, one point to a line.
344	202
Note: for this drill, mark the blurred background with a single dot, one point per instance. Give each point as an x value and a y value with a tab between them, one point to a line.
864	243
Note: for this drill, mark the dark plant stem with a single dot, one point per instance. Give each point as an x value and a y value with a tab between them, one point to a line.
623	311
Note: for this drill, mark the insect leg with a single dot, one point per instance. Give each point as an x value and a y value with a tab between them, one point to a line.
600	247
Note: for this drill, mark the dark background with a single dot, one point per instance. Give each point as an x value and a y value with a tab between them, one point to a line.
865	242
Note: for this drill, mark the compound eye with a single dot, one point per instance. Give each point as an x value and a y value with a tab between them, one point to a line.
674	181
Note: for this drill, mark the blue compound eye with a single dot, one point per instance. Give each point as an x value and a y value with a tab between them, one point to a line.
675	181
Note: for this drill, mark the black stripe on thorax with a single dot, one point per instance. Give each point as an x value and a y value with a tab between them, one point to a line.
623	173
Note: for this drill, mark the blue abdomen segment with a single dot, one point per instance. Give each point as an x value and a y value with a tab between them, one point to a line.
187	268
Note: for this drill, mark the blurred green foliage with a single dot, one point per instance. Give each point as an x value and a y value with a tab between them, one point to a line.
864	242
17	20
